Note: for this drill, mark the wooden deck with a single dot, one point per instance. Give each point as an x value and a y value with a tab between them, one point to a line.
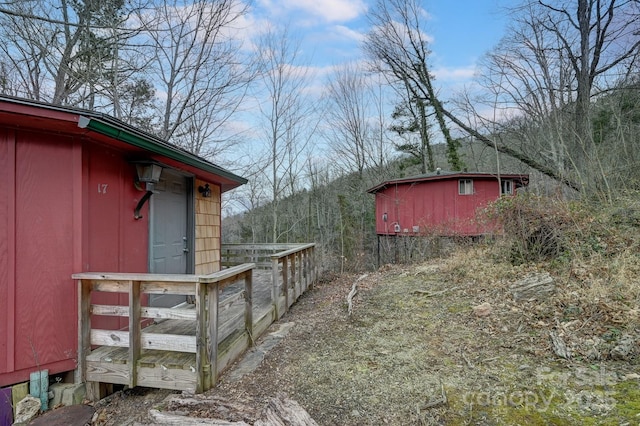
186	347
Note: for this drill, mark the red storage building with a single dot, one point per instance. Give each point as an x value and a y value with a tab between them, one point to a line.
74	197
440	203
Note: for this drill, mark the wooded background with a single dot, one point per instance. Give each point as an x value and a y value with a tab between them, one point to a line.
558	97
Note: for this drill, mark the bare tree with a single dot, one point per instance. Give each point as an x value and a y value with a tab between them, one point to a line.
198	69
348	118
398	47
527	86
175	60
356	131
559	58
64	51
24	69
286	114
565	56
250	199
382	141
322	218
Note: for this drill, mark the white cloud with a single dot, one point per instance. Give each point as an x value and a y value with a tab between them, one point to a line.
446	74
328	10
344	32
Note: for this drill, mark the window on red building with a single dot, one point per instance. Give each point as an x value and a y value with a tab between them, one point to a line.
465	187
506	187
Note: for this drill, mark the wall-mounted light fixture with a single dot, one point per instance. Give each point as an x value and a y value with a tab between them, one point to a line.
147	172
205	191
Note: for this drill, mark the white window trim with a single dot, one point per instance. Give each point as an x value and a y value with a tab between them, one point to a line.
467	183
502	187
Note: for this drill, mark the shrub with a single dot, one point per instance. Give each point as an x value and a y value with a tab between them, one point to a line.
534	227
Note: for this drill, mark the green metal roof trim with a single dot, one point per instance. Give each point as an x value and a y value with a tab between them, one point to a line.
117	130
443	175
114	128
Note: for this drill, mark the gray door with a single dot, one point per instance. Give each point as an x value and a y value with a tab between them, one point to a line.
169	233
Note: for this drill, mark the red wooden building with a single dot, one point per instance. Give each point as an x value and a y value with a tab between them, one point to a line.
75	197
440	203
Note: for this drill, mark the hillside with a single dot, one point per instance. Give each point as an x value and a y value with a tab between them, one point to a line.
455	340
337	213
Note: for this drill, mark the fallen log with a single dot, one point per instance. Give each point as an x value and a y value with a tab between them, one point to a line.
282	411
214	407
559	346
180	420
353	292
533	287
279	411
435	293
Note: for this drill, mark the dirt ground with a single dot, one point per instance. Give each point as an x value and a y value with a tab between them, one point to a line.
415	351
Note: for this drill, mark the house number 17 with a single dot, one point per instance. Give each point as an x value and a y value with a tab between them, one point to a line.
102	188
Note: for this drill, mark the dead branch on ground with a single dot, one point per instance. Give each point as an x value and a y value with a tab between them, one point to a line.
435	293
442	400
353	292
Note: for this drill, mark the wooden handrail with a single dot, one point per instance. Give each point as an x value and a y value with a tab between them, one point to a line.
143	277
226	273
177	278
292	251
204	343
259	246
295	263
293	270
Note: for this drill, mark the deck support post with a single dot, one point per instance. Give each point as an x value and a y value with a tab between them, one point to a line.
213	294
292	278
201	335
275	296
300	275
248	304
206	335
285	282
134	331
306	269
314	266
84	339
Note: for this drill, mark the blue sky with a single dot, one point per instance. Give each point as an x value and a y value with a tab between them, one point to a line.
331	30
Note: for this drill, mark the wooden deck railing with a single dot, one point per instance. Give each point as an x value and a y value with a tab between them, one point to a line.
187	346
147	357
293	268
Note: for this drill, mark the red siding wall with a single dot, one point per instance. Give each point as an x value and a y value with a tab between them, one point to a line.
38	222
435	207
65	206
114	240
44	252
7	148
